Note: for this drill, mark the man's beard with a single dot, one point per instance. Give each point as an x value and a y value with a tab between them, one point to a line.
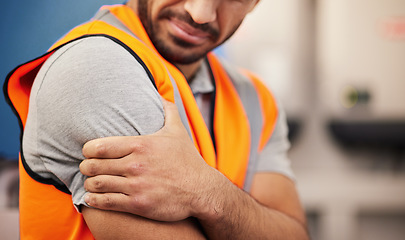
161	45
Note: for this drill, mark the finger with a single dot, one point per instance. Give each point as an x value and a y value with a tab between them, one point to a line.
107	201
109	147
118	202
172	116
107	184
94	167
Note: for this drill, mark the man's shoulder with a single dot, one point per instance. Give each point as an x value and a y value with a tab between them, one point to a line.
91	48
91	60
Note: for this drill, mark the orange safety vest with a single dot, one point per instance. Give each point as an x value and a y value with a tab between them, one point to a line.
46	209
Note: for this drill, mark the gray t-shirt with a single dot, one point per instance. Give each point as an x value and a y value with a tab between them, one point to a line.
94	88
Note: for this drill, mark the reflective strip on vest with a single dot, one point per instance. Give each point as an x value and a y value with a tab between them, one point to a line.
249	97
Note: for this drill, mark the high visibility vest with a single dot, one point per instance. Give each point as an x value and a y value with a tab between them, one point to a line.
244	115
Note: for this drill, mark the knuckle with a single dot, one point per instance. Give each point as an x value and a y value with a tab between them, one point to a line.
134	185
139	146
97	185
141	184
100	149
140	203
107	201
90	168
135	168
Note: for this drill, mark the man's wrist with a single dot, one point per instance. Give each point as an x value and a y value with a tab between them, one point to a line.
212	203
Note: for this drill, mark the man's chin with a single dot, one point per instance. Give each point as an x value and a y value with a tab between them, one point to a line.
176	56
183	60
179	52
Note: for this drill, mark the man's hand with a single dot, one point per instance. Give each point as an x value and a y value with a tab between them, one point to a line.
160	176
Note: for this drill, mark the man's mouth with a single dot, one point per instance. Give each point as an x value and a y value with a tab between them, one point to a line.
187	33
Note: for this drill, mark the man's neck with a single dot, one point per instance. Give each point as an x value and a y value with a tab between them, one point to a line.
133	5
189	70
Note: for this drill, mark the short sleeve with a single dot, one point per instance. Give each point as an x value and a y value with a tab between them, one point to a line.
88	89
273	158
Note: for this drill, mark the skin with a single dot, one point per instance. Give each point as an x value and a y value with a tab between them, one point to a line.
138	190
124	224
136	175
185	31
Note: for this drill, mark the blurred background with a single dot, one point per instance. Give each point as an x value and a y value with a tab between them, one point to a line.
338	67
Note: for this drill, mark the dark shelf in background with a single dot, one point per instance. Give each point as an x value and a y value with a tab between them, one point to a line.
294	127
371	134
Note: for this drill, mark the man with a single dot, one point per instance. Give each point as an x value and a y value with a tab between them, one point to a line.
106	82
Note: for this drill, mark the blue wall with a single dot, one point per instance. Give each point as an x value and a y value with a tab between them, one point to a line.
27	29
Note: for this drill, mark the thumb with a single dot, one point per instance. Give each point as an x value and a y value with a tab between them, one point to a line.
172	117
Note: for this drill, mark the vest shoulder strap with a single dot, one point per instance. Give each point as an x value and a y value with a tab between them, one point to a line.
262	119
253	92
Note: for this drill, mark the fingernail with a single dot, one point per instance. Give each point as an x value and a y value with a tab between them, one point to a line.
87	199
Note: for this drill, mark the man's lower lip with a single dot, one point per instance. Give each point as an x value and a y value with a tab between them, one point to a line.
185	36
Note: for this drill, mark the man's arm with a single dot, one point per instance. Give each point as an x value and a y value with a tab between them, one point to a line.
88	89
273	211
275	208
118	225
139	176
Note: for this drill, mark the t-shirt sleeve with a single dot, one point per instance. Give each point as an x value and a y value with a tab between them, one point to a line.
88	89
273	158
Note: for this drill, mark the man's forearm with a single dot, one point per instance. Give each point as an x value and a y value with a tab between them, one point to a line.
118	225
237	215
137	175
